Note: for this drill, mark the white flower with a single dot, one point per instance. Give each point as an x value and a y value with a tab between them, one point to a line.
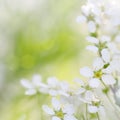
92	109
108	79
56	87
92	48
105	38
60	111
94	83
69	109
106	55
34	86
112	47
56	104
91	26
69	117
96	71
85	10
26	83
98	63
79	81
55	118
92	39
98	20
118	93
115	65
86	71
99	72
117	38
89	95
52	82
86	94
48	110
53	86
30	92
96	10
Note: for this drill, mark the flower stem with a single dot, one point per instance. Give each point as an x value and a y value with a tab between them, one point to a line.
86	112
98	117
114	107
112	104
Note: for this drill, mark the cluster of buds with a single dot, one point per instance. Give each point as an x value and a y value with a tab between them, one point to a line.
103	26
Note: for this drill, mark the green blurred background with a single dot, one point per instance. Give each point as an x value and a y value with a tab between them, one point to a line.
37	37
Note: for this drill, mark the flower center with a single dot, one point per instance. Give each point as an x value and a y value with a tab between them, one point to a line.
59	114
98	74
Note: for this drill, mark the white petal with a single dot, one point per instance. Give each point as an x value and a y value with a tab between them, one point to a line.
64	93
48	110
79	81
53	92
69	117
36	80
96	11
56	104
55	118
52	82
98	63
92	48
108	79
91	26
85	9
105	55
80	91
108	70
117	39
102	111
117	93
81	19
69	109
30	92
27	84
98	20
94	83
92	39
86	71
105	38
64	85
113	47
89	95
115	65
92	109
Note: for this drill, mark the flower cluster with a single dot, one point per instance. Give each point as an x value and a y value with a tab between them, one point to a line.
103	26
103	76
71	97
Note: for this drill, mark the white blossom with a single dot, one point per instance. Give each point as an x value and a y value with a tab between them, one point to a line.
98	63
103	24
86	71
92	109
94	83
60	111
92	48
92	39
108	79
105	55
117	38
34	86
92	26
